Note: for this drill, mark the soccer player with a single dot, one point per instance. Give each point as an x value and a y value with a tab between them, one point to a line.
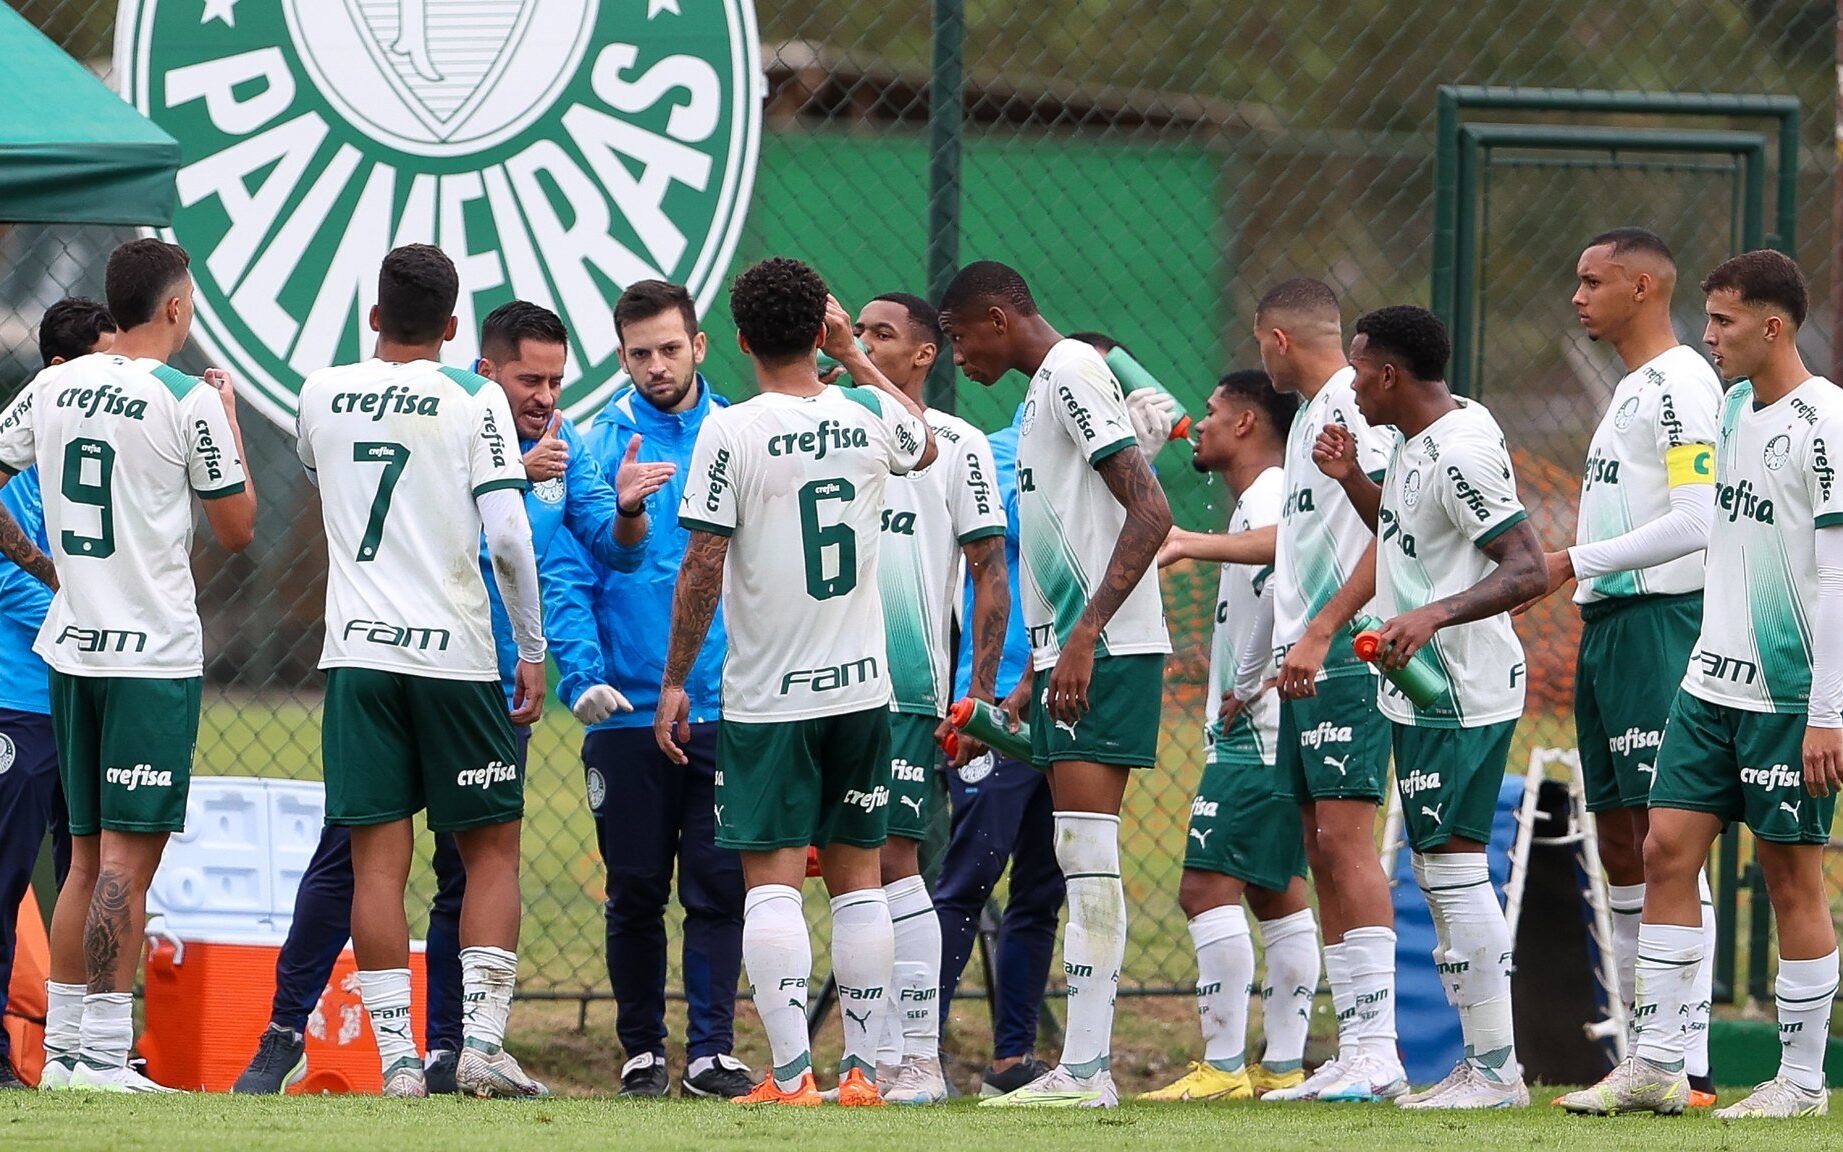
1647	500
1333	752
413	460
1246	836
793	481
1092	519
1455	554
938	523
1754	734
650	813
122	441
31	800
524	348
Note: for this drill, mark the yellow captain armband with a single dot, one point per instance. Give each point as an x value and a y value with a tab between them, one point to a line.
1690	464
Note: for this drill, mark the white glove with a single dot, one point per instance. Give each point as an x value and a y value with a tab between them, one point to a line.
1153	414
599	702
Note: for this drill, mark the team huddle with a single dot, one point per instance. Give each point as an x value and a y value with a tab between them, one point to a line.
824	548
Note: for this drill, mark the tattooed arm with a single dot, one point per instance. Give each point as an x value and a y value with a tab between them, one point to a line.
16	546
1148	522
1521	574
694	605
985	559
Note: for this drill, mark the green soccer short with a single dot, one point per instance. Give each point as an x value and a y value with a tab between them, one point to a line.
125	747
821	781
1449	779
1125	700
1632	656
1741	765
1244	823
1334	745
913	756
394	744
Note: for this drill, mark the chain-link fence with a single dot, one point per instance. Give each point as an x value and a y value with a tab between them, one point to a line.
1152	167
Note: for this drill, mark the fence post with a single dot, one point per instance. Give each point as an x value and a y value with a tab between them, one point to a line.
946	126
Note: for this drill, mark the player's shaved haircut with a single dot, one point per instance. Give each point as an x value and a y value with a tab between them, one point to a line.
922	316
988	281
1304	307
1630	240
1764	277
417	288
1252	387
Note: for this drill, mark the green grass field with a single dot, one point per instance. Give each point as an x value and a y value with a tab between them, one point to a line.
68	1123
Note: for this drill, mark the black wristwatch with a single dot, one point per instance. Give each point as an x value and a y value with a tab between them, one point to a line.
626	515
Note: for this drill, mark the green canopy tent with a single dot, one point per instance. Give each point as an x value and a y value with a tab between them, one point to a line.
72	151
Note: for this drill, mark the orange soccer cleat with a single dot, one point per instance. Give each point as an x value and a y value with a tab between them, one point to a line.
1700	1099
767	1092
856	1091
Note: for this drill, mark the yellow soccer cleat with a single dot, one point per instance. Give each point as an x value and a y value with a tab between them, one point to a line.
1265	1081
1206	1082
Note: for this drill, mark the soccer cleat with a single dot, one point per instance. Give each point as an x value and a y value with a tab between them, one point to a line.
84	1078
1264	1081
438	1070
407	1081
1460	1071
645	1076
725	1079
1778	1099
1637	1085
1700	1099
280	1060
996	1083
857	1091
56	1075
1061	1088
917	1080
805	1095
1329	1072
9	1079
1365	1080
494	1074
1205	1082
1475	1091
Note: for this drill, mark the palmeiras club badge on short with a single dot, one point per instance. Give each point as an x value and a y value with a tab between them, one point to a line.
557	150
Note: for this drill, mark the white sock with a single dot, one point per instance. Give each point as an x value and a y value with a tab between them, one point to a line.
1225	969
1696	1054
1626	902
386	993
63	1021
863	963
488	976
108	1029
1369	953
917	984
778	954
1668	956
1460	882
1804	992
1094	944
1343	1000
1291	945
1443	946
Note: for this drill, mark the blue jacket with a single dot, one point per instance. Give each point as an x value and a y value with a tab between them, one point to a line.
633	609
577	507
25	683
1016	661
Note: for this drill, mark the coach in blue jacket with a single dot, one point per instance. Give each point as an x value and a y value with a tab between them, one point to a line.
649	813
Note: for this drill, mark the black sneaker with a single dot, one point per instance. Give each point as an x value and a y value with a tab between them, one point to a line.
645	1075
438	1072
1011	1079
726	1079
9	1079
280	1060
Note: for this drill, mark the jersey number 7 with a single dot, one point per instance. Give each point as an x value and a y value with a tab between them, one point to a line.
395	458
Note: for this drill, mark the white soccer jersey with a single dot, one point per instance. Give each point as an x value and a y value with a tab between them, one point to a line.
1775	485
1068	519
1647	443
1238	601
401	452
1321	535
798	483
121	445
927	516
1449	492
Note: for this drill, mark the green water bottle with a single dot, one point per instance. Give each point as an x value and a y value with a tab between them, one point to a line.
1133	377
1419	683
985	723
826	363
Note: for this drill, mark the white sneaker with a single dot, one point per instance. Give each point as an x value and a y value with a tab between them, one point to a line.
1365	1080
1473	1090
917	1080
84	1078
1637	1085
1459	1072
56	1075
1061	1088
1330	1072
1778	1099
494	1074
407	1080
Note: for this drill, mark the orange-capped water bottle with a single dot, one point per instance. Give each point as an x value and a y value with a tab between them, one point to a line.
985	723
1419	683
1133	377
